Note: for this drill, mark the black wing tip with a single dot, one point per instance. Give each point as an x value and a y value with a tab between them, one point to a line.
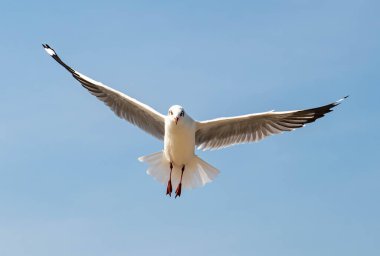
322	111
342	99
53	54
46	46
336	103
49	50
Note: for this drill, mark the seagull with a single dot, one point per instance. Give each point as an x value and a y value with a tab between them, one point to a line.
177	163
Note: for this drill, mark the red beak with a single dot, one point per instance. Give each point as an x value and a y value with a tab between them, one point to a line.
176	120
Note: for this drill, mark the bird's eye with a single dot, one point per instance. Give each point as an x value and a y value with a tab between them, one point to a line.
182	113
170	112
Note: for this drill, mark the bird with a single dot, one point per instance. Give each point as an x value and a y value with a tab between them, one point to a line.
177	163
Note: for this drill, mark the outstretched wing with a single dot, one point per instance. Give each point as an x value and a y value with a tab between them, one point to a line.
122	105
224	132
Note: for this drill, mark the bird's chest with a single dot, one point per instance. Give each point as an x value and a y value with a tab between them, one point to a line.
179	144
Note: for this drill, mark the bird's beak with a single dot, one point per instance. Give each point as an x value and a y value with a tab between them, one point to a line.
176	120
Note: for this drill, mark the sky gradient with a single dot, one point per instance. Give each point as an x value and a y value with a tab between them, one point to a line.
70	182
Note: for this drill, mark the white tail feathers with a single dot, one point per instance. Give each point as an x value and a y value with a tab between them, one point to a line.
197	172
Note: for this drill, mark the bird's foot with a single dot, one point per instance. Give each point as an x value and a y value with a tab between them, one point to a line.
178	190
169	188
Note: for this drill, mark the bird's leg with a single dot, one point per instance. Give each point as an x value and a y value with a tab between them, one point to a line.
179	188
169	187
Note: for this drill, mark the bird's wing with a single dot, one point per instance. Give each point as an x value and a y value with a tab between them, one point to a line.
122	105
224	132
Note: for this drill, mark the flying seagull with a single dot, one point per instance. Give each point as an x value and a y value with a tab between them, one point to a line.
177	162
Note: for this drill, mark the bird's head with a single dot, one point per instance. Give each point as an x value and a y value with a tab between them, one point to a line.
176	113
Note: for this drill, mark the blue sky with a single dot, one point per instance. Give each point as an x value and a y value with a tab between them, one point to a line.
70	180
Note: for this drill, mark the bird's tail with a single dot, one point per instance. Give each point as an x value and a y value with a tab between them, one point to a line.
197	172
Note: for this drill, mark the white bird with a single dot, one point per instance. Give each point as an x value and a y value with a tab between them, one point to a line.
177	162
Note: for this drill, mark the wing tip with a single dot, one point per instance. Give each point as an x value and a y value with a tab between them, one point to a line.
340	100
49	50
55	56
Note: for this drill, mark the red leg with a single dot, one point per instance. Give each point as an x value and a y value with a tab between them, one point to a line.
169	187
179	188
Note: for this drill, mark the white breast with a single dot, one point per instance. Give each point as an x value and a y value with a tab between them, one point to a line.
179	141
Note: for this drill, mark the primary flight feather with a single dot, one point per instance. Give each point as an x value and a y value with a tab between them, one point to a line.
177	163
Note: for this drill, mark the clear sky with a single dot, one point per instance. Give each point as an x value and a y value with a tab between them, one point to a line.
70	182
